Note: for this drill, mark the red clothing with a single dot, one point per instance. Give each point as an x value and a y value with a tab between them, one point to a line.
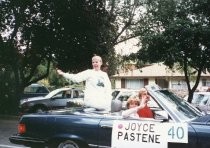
145	112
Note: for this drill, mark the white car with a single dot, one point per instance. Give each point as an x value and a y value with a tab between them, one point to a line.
201	100
123	94
56	99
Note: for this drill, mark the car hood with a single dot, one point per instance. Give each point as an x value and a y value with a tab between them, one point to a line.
32	99
203	120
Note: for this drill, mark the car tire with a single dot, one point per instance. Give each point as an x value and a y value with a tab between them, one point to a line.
69	144
39	109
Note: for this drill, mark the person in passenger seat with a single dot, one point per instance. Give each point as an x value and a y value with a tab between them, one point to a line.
137	106
145	112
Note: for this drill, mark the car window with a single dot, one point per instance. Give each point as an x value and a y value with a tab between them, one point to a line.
41	90
30	89
115	93
197	98
60	95
125	95
35	89
204	100
78	94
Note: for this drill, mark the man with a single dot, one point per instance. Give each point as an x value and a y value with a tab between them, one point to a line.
97	87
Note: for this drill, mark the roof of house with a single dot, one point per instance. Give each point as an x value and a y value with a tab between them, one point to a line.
155	70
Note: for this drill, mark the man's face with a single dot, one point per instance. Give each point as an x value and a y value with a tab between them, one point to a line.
96	63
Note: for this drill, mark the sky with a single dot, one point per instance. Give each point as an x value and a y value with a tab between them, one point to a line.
127	47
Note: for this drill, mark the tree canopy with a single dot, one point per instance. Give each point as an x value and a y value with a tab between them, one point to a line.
176	32
36	33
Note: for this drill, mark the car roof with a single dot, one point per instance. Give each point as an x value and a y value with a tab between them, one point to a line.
36	84
203	92
198	93
124	89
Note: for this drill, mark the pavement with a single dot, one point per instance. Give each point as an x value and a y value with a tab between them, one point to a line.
9	117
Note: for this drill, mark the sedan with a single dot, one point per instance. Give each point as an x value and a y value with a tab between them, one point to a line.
176	124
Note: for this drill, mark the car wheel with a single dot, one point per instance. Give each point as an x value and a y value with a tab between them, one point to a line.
39	109
68	144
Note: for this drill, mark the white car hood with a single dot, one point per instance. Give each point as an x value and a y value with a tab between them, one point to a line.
32	99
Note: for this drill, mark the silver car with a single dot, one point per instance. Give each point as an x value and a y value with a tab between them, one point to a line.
56	99
201	100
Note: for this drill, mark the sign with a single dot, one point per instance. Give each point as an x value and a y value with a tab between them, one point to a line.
135	134
176	132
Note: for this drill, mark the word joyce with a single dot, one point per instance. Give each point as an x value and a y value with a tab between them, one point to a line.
144	127
139	132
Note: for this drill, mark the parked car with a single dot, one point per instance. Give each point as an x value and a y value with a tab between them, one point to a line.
122	94
201	100
35	90
56	99
83	128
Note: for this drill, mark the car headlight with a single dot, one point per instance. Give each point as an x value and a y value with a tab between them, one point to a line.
23	101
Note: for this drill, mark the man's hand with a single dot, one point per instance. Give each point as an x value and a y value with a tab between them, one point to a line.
60	72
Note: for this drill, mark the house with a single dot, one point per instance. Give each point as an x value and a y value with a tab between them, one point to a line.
158	74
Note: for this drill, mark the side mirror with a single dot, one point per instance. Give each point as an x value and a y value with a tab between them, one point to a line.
116	106
161	115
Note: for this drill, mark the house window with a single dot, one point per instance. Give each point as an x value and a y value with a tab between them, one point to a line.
179	84
134	84
205	82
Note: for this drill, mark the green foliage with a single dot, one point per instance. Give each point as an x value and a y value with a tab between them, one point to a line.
33	34
8	99
81	32
177	32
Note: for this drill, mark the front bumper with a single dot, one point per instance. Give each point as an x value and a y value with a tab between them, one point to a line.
27	141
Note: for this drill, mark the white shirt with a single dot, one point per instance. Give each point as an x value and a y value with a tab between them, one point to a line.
132	112
97	88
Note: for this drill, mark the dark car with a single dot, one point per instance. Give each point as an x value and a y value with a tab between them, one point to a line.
35	90
56	99
85	128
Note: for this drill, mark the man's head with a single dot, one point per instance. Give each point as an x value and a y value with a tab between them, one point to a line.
96	62
143	95
133	101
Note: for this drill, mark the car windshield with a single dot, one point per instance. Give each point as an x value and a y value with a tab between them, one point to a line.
181	108
54	92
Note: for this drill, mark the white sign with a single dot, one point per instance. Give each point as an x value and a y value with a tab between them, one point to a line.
135	134
176	132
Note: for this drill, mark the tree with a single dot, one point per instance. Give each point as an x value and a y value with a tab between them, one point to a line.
35	33
176	32
124	15
68	32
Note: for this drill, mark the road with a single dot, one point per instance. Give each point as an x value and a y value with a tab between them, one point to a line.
7	128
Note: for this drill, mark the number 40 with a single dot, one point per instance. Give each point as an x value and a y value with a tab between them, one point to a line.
176	132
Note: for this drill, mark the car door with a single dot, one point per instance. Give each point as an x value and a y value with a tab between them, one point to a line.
105	133
60	99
